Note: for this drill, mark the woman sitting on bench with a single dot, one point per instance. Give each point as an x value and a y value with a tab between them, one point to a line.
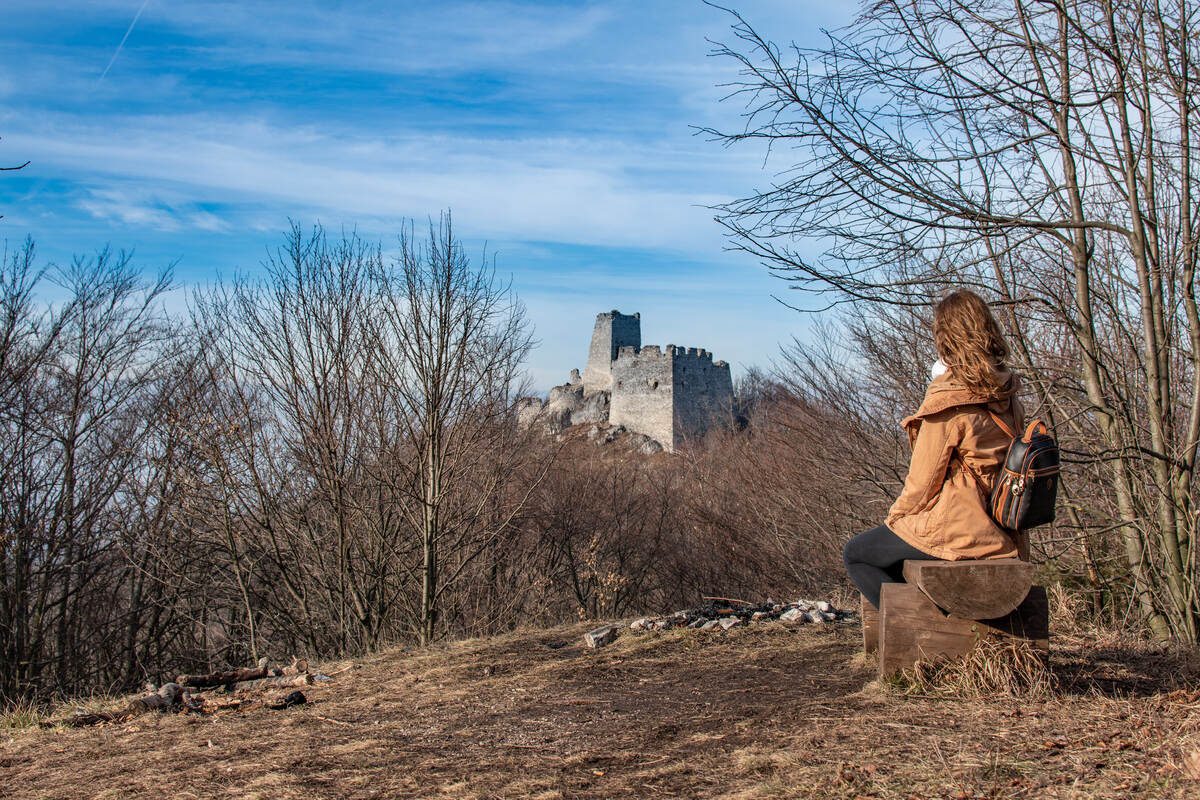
941	512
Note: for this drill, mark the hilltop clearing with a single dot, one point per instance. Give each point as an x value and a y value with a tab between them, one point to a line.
768	711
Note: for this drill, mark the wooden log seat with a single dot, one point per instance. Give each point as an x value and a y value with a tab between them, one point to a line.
947	608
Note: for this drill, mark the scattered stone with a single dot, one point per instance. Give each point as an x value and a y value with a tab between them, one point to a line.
726	614
604	635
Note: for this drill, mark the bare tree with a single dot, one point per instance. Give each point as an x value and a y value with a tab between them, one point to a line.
452	341
75	383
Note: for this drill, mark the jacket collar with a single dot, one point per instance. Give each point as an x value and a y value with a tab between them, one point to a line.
945	392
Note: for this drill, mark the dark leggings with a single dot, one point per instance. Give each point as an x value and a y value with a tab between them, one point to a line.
876	557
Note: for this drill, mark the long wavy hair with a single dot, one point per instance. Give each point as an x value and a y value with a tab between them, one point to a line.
970	342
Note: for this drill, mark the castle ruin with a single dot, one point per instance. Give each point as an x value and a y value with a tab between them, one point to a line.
666	394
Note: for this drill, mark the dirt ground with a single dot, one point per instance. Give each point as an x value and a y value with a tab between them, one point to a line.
763	712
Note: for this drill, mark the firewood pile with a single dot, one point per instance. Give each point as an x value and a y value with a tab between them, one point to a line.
245	687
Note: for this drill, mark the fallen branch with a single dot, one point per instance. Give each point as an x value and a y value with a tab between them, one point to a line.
299	666
327	719
729	600
282	682
227	676
167	698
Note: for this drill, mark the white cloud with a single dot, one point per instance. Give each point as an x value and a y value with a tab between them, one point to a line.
143	207
563	190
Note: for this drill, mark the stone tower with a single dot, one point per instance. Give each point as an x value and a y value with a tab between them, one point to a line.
613	331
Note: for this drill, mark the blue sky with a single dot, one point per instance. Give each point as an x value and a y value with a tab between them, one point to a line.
558	133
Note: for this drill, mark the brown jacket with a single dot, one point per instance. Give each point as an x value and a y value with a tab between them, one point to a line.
942	509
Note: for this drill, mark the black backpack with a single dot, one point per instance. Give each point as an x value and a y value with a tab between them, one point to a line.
1027	485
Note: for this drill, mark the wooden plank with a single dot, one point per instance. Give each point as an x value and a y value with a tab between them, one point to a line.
870	626
984	589
912	628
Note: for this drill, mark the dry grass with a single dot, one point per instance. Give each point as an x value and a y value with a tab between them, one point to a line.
994	668
21	715
769	712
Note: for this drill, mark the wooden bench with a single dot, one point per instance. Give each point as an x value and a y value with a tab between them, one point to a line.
946	608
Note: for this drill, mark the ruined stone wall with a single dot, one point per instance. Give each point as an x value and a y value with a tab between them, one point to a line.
612	332
669	395
643	391
702	393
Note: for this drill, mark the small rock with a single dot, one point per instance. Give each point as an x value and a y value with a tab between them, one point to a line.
728	622
602	636
824	606
709	625
758	616
296	698
793	615
828	617
697	623
815	616
640	624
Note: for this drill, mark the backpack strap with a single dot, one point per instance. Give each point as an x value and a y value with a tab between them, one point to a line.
1037	426
1003	425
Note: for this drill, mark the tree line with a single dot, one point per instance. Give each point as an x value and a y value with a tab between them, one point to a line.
322	460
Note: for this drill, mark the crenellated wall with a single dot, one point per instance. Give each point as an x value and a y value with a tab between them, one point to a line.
670	394
702	392
643	392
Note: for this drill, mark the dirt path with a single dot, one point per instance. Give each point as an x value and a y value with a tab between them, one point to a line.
761	712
